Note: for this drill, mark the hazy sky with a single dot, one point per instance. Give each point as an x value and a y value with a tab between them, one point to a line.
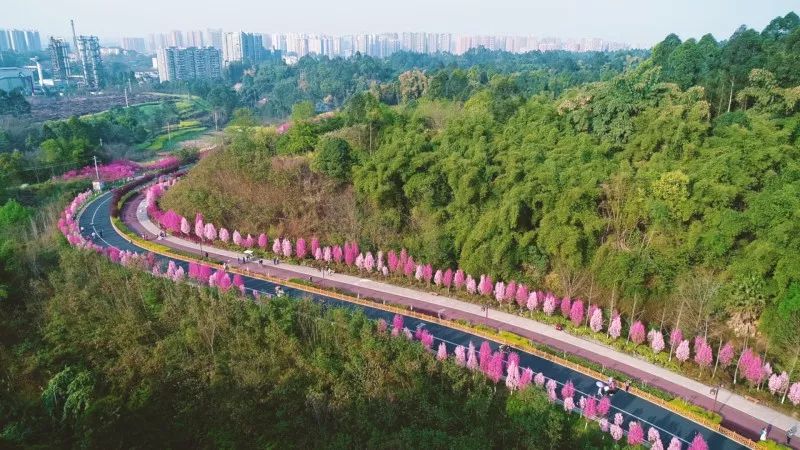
642	22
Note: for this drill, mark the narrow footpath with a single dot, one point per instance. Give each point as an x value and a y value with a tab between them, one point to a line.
740	414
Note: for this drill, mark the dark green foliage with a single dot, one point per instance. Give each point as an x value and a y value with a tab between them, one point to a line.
333	158
13	103
328	83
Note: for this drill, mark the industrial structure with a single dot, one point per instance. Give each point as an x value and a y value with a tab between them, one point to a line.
91	62
59	59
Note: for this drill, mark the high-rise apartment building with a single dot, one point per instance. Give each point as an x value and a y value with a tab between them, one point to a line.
59	59
176	38
91	63
191	63
240	46
133	43
17	40
33	41
5	45
195	38
214	38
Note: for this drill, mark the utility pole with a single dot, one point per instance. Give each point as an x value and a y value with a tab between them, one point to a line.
96	170
125	90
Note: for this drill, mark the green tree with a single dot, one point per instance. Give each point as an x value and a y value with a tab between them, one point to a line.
333	158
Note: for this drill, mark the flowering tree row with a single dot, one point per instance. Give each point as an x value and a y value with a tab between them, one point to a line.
120	169
496	366
112	171
489	362
699	351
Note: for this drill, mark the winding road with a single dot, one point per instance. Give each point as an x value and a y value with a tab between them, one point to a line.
96	218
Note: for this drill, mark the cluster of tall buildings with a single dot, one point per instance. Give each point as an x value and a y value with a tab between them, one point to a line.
198	56
377	45
384	44
177	64
20	41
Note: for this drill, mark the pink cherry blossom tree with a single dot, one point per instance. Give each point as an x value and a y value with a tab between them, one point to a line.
185	228
590	408
472	288
496	367
725	355
794	393
616	431
675	338
511	291
199	226
703	355
485	285
653	435
485	356
447	278
392	260
314	245
566	306
300	248
409	267
369	262
499	291
568	389
512	377
286	247
635	433
262	241
576	313
461	355
533	301
210	232
604	406
437	278
596	321
549	306
682	352
276	246
778	383
397	324
637	332
674	443
521	295
615	328
441	354
472	359
656	341
459	279
427	273
698	443
237	238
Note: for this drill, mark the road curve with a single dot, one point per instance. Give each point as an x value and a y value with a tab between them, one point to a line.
96	218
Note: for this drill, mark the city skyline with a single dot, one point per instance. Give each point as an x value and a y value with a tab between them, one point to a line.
634	23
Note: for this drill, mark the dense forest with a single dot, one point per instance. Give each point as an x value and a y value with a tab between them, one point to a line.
672	185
